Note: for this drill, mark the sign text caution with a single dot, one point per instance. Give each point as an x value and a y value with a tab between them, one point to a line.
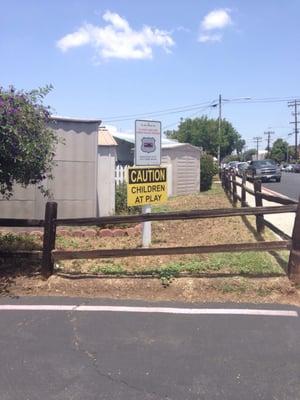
147	186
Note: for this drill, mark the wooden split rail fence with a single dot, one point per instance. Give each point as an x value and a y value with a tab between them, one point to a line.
49	254
230	184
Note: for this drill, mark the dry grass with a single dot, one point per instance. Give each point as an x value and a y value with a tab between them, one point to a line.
180	233
165	234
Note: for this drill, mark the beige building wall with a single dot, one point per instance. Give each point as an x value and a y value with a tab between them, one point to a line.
74	186
106	180
185	162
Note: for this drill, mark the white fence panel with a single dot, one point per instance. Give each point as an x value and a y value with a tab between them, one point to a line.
121	174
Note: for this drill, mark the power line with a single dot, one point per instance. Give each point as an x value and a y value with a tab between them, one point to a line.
263	100
189	116
295	103
158	112
257	139
191	107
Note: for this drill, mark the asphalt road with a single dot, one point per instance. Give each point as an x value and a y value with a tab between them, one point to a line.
289	185
89	355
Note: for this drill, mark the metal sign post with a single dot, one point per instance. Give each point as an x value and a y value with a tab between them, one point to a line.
146	233
147	153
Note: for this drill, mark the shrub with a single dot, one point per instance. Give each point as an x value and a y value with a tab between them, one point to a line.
27	145
208	170
121	201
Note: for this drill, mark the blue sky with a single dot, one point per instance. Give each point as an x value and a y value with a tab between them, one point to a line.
115	58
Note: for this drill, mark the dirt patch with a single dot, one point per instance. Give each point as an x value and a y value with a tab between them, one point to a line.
272	290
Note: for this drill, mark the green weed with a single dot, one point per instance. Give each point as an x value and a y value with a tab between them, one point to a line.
12	242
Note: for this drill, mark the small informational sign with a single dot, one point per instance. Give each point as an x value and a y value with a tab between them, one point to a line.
147	186
147	142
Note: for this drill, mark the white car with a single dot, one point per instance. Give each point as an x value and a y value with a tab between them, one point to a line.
288	168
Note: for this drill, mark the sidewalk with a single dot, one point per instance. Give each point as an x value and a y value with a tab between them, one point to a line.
285	222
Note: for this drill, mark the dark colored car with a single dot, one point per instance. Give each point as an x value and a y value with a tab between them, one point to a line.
241	167
296	168
232	166
264	170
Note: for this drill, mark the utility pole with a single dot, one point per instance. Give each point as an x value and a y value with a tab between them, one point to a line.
257	139
269	133
219	104
295	103
287	150
219	130
245	149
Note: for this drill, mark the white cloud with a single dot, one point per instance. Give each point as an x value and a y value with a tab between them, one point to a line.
117	39
210	38
216	19
76	39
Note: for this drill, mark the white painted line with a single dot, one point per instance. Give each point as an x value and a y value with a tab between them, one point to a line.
50	307
153	310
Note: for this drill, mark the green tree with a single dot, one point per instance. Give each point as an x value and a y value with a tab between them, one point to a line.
248	155
279	150
231	157
204	132
27	145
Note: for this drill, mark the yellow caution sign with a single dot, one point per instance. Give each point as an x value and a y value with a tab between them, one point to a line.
147	186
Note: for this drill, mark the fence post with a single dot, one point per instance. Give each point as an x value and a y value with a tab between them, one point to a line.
243	194
225	181
260	226
234	187
223	178
228	182
294	259
49	238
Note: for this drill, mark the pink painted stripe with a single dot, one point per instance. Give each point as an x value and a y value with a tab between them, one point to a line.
274	193
153	310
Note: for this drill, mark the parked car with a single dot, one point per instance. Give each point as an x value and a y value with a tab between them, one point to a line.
287	168
241	167
264	170
296	168
232	166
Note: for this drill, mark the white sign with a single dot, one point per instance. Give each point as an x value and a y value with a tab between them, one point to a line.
147	142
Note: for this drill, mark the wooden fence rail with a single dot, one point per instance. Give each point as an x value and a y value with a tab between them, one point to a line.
49	255
177	215
218	248
228	180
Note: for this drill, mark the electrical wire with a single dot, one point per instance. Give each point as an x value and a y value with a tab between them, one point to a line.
159	112
198	107
189	116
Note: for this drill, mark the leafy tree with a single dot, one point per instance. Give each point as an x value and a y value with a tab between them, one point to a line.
204	132
279	150
248	155
240	144
231	157
27	145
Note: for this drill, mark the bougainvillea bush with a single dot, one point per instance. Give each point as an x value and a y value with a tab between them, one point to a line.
27	145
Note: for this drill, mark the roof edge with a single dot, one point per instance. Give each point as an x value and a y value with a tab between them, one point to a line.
72	119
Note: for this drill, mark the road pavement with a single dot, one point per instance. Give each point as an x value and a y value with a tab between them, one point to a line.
285	222
170	351
289	185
